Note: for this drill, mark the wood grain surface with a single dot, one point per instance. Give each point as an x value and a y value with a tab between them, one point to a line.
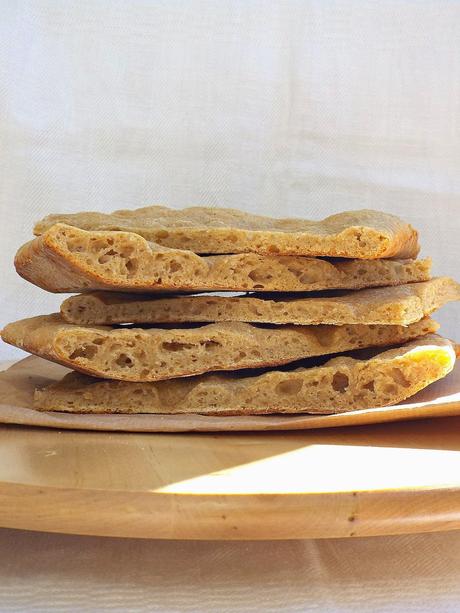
389	478
367	480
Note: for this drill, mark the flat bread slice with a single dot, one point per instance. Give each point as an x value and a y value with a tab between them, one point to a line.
354	234
342	384
67	259
386	305
136	354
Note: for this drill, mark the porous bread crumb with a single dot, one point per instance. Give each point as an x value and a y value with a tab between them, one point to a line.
68	259
136	354
364	234
400	305
341	384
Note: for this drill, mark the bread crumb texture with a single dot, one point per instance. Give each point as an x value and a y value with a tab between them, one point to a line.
364	234
399	305
136	354
69	259
342	384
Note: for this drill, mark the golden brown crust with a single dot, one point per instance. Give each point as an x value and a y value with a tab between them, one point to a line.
400	305
364	234
67	259
341	384
136	354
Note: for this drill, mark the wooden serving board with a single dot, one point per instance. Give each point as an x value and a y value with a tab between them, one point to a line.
376	479
368	480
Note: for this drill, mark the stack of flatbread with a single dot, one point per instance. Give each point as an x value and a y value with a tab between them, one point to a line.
310	317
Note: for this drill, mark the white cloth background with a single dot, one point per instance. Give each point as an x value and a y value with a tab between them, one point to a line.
400	574
288	107
283	107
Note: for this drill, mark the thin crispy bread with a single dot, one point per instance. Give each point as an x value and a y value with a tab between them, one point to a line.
362	234
341	384
67	259
136	354
386	305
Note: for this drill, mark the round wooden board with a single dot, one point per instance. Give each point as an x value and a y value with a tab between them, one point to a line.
366	480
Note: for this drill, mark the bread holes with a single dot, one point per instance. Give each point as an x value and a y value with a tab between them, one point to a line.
107	256
306	279
86	351
398	377
127	251
100	244
325	335
73	244
259	275
255	310
124	361
295	271
211	345
390	388
174	266
340	382
359	239
289	387
132	266
176	346
370	386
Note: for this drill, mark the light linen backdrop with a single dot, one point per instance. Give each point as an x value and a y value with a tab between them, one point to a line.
281	107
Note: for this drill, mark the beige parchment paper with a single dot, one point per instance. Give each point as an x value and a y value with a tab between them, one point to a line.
17	386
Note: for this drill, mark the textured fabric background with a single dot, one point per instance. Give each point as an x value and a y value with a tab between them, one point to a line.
281	107
53	573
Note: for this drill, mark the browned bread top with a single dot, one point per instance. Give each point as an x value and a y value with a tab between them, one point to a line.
365	234
68	259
